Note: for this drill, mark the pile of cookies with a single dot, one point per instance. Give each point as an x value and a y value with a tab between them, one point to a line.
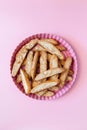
41	67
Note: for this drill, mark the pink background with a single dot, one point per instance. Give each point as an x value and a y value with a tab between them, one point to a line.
20	19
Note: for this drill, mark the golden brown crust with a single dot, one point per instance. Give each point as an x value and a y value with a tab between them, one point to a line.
35	83
54	89
24	62
41	93
48	57
19	78
69	78
61	48
48	94
62	62
64	75
68	63
28	64
34	64
25	81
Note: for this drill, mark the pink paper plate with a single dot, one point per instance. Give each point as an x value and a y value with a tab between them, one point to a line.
69	52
